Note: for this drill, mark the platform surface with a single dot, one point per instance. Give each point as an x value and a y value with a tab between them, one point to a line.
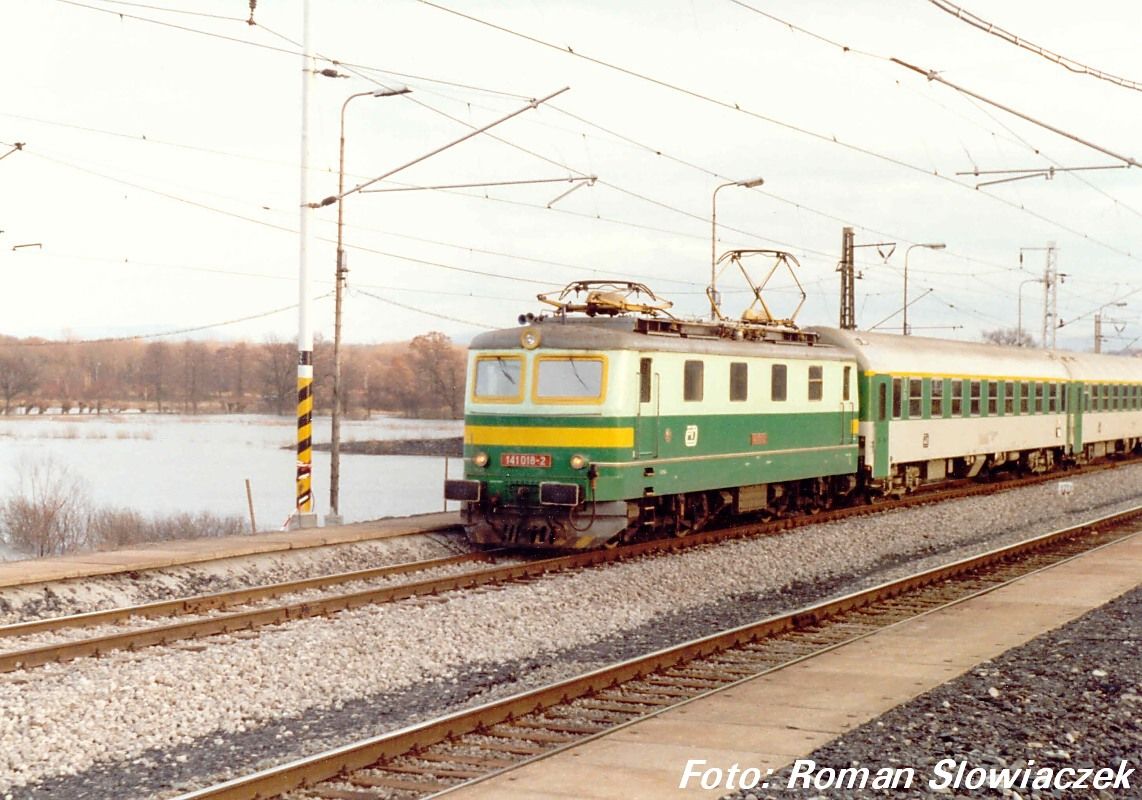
769	721
192	551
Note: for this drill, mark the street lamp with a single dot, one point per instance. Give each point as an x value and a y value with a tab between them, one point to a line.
334	516
1019	318
930	246
1098	323
749	184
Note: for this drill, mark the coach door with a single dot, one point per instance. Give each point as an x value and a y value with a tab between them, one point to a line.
1074	392
848	408
647	432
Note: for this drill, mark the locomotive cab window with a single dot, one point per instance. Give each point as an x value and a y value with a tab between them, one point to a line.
816	383
846	393
569	379
739	381
498	379
778	375
692	380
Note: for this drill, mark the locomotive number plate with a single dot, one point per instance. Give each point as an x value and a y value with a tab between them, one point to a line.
533	460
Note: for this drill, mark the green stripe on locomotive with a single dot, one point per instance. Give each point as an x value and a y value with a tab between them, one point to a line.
689	452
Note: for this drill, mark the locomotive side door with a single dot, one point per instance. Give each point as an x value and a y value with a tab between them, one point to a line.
647	424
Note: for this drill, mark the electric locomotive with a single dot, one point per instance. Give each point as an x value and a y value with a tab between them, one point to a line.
612	420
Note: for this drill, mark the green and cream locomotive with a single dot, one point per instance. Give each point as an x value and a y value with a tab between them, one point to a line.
611	420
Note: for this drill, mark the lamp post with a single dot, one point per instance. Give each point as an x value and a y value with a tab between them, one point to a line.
334	516
930	246
1098	324
748	184
1019	318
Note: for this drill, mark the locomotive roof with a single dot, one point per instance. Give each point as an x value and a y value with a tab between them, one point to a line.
892	353
623	333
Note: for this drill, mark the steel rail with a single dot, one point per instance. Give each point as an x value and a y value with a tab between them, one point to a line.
215	600
309	771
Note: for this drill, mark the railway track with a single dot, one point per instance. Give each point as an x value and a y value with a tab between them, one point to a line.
435	756
214	614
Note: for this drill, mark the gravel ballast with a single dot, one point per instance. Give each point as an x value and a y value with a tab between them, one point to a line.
77	596
131	725
1071	698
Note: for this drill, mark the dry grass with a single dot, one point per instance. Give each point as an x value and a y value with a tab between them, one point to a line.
52	514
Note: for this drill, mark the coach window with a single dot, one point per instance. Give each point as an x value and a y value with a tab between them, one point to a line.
644	378
937	409
846	393
915	397
693	376
1039	405
992	398
1104	393
974	407
816	383
1024	397
957	398
739	381
777	376
897	398
1086	398
1008	398
1093	395
1054	397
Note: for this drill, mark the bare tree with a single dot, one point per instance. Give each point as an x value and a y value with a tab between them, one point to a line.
195	363
439	366
1009	337
19	376
156	360
48	515
278	370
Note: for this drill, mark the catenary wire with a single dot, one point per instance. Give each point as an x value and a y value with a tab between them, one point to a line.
1067	63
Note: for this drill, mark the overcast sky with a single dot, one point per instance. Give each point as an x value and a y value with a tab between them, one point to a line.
160	175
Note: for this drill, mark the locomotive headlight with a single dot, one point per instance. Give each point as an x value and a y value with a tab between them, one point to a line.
578	462
529	338
480	459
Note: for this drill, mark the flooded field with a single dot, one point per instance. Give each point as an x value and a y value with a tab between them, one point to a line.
167	463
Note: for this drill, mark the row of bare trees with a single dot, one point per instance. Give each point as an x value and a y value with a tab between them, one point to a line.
423	377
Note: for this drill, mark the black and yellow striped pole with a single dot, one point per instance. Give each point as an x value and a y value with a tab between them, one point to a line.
304	435
306	518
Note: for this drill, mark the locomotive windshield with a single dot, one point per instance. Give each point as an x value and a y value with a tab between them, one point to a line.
498	378
572	378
